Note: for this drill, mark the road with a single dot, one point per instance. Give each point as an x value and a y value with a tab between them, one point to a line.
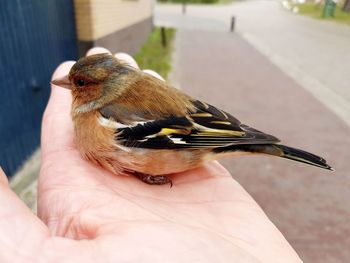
315	53
309	205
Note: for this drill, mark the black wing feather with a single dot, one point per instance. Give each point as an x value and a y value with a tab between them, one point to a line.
216	116
205	127
145	135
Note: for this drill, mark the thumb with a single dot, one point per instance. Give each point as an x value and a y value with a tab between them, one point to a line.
17	223
57	125
60	98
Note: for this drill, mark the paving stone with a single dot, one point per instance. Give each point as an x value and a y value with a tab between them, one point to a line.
309	205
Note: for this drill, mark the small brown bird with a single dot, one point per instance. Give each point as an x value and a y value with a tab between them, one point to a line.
129	121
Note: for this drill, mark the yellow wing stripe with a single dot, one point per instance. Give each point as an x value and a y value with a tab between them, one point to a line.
221	122
203	114
208	133
215	132
168	131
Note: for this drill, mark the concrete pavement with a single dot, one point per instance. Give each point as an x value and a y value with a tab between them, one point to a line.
313	52
309	205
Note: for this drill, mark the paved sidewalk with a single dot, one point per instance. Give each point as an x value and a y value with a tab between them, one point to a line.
24	183
315	53
309	205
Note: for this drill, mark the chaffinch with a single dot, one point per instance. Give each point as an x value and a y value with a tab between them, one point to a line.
128	121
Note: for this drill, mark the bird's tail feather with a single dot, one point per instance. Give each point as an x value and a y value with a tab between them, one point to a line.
281	151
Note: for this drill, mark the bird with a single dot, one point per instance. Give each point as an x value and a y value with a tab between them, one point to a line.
130	122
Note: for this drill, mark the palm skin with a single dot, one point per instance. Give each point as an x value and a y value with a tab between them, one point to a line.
86	214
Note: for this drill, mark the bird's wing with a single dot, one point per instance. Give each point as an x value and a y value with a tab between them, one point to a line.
205	126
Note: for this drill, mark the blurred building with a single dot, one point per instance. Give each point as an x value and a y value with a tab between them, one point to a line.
36	36
119	25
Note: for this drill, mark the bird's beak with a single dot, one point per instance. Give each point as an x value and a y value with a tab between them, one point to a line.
62	82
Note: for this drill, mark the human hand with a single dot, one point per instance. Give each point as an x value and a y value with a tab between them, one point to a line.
86	214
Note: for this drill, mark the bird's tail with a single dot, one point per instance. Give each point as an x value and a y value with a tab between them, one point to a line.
279	150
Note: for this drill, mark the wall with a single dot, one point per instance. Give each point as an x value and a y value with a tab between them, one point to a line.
35	37
119	25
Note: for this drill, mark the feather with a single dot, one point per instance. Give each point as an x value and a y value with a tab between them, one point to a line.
280	151
203	127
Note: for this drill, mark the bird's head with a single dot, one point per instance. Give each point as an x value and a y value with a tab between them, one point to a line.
94	81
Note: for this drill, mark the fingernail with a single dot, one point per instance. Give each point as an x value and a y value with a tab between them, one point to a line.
97	50
127	58
153	73
62	69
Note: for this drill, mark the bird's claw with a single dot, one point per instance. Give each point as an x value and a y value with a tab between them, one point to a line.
154	180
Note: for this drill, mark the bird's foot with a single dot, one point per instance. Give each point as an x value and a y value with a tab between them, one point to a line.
154	180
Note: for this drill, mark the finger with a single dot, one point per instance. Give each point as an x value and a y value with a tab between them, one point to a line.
18	223
153	73
97	50
60	97
57	124
127	58
3	179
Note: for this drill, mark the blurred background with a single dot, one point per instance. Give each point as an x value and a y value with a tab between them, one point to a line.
280	66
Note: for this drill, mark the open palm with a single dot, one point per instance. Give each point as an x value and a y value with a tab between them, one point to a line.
86	214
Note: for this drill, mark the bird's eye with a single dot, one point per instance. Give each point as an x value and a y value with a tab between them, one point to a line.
80	82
